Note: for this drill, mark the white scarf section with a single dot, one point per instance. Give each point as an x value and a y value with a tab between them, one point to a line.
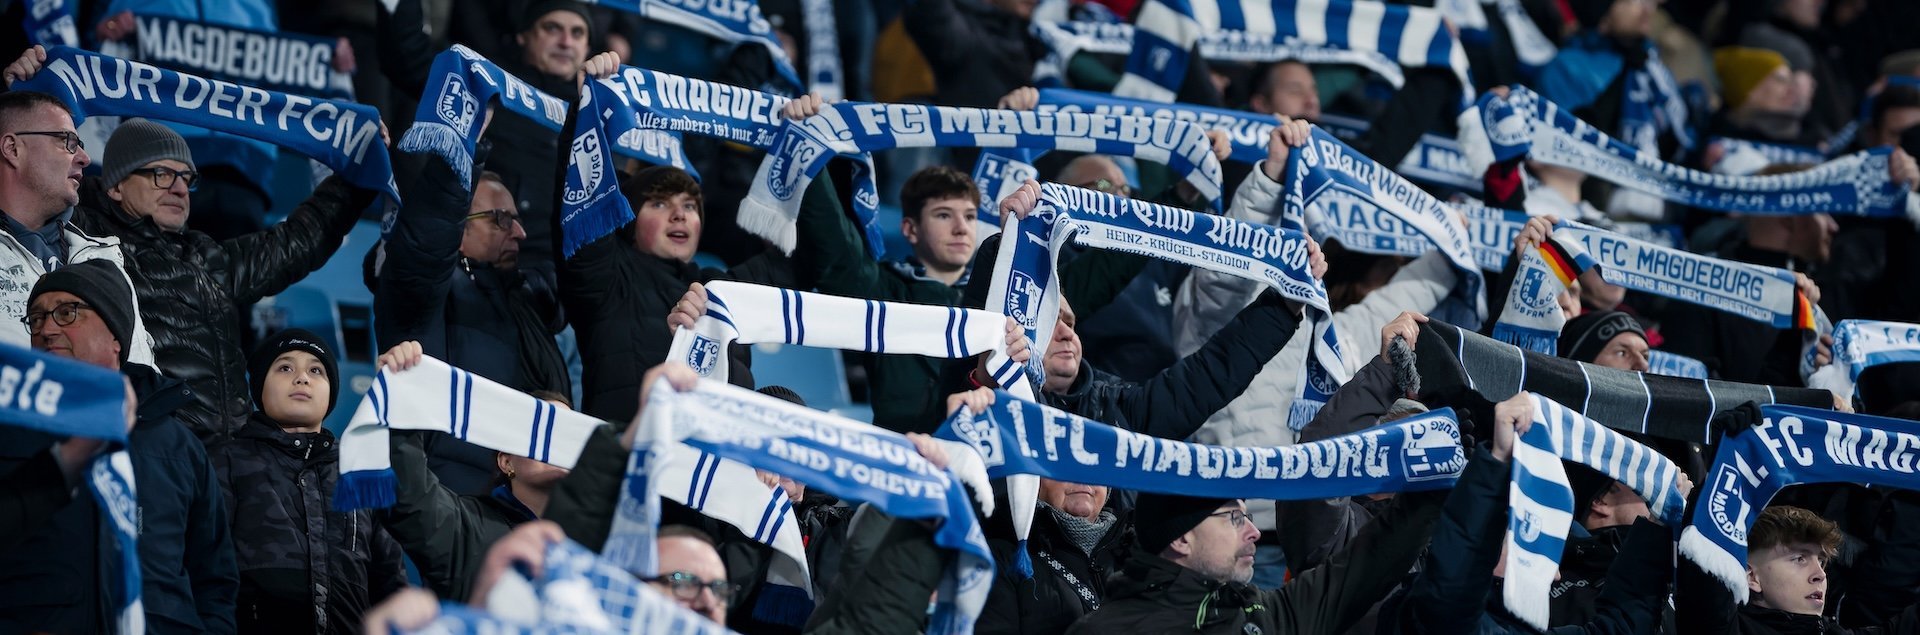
1542	504
1862	344
435	396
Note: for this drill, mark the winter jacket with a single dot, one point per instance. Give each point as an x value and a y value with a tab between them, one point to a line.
1703	606
1453	589
1153	595
188	580
1053	598
977	51
304	568
446	534
30	494
1735	348
891	572
469	314
1310	531
19	269
56	575
191	286
1256	417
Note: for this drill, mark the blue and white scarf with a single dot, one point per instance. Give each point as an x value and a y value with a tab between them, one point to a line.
1531	318
280	62
1792	446
1542	504
459	87
1843	138
1063	40
1016	436
997	174
846	458
1652	105
344	136
1862	344
1524	124
1492	230
735	21
1533	48
51	22
1675	365
1743	157
435	396
1167	31
823	50
854	129
1434	160
577	592
1246	131
60	396
1326	179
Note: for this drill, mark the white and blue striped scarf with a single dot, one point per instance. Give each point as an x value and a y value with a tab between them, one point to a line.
1533	48
1542	504
460	86
735	21
1744	157
854	129
342	135
1168	30
1862	344
60	396
846	458
1652	105
1675	365
1332	182
1063	40
51	23
281	62
435	396
823	50
1792	446
1525	124
576	593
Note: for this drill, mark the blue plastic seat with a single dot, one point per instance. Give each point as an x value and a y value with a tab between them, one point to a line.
817	374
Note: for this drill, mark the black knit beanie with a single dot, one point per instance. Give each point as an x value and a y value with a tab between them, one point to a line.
101	285
1159	519
292	340
539	9
1584	337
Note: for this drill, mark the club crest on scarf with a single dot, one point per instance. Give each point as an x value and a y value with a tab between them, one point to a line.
1727	505
1432	450
589	168
457	106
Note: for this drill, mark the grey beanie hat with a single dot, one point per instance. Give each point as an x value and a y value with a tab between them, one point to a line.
138	142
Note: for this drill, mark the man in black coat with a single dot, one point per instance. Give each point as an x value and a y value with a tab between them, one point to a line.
1075	542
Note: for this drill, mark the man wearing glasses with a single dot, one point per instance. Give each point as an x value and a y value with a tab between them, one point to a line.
692	573
40	162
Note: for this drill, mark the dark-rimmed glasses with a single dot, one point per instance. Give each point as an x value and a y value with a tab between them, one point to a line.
163	177
1121	190
502	218
687	586
63	314
1238	517
71	139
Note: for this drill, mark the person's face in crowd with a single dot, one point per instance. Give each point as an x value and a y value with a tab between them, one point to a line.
1628	18
1790	577
1619	506
1063	353
1596	292
1096	172
296	390
557	43
1778	93
1084	501
1569	301
668	227
942	237
1022	8
1626	351
1802	13
86	339
686	555
1291	91
485	239
167	206
1221	547
1813	237
48	170
529	473
1892	123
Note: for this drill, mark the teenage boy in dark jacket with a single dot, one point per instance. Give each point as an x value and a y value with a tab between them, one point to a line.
304	568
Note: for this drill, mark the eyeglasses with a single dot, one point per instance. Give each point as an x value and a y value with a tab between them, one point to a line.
503	218
63	314
1102	185
163	177
1238	517
687	586
72	139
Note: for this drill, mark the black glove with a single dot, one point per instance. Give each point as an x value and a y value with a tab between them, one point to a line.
1735	420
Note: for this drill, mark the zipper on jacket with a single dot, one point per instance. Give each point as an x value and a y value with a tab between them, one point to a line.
1200	617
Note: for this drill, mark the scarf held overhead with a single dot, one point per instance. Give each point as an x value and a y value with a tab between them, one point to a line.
1791	446
460	86
1063	40
342	135
280	62
1862	344
736	21
577	592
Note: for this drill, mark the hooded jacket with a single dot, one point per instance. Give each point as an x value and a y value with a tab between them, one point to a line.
190	287
304	568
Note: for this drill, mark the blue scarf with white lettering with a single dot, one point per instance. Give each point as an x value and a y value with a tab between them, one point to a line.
1492	230
576	592
1744	157
854	129
735	21
1791	446
60	396
1168	30
1541	500
1675	365
997	174
1063	40
281	62
1862	344
342	135
51	22
851	460
1525	124
1016	436
460	86
1338	186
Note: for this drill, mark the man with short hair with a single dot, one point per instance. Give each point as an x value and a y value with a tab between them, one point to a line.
1286	88
1788	552
692	573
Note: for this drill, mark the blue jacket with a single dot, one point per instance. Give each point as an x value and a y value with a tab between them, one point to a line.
188	579
1582	70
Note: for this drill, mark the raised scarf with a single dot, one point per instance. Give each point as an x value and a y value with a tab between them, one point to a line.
1063	40
278	61
460	86
735	21
1862	344
577	592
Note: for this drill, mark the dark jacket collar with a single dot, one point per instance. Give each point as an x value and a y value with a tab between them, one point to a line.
300	445
159	394
1787	623
1153	579
503	497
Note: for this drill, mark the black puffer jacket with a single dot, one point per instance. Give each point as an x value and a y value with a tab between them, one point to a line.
304	568
189	286
1052	599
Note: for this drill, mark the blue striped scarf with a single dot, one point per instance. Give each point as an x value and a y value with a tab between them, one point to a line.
1542	504
281	62
849	459
1063	40
854	129
735	21
1167	31
460	87
576	593
1525	124
343	136
1862	344
1792	446
1532	48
